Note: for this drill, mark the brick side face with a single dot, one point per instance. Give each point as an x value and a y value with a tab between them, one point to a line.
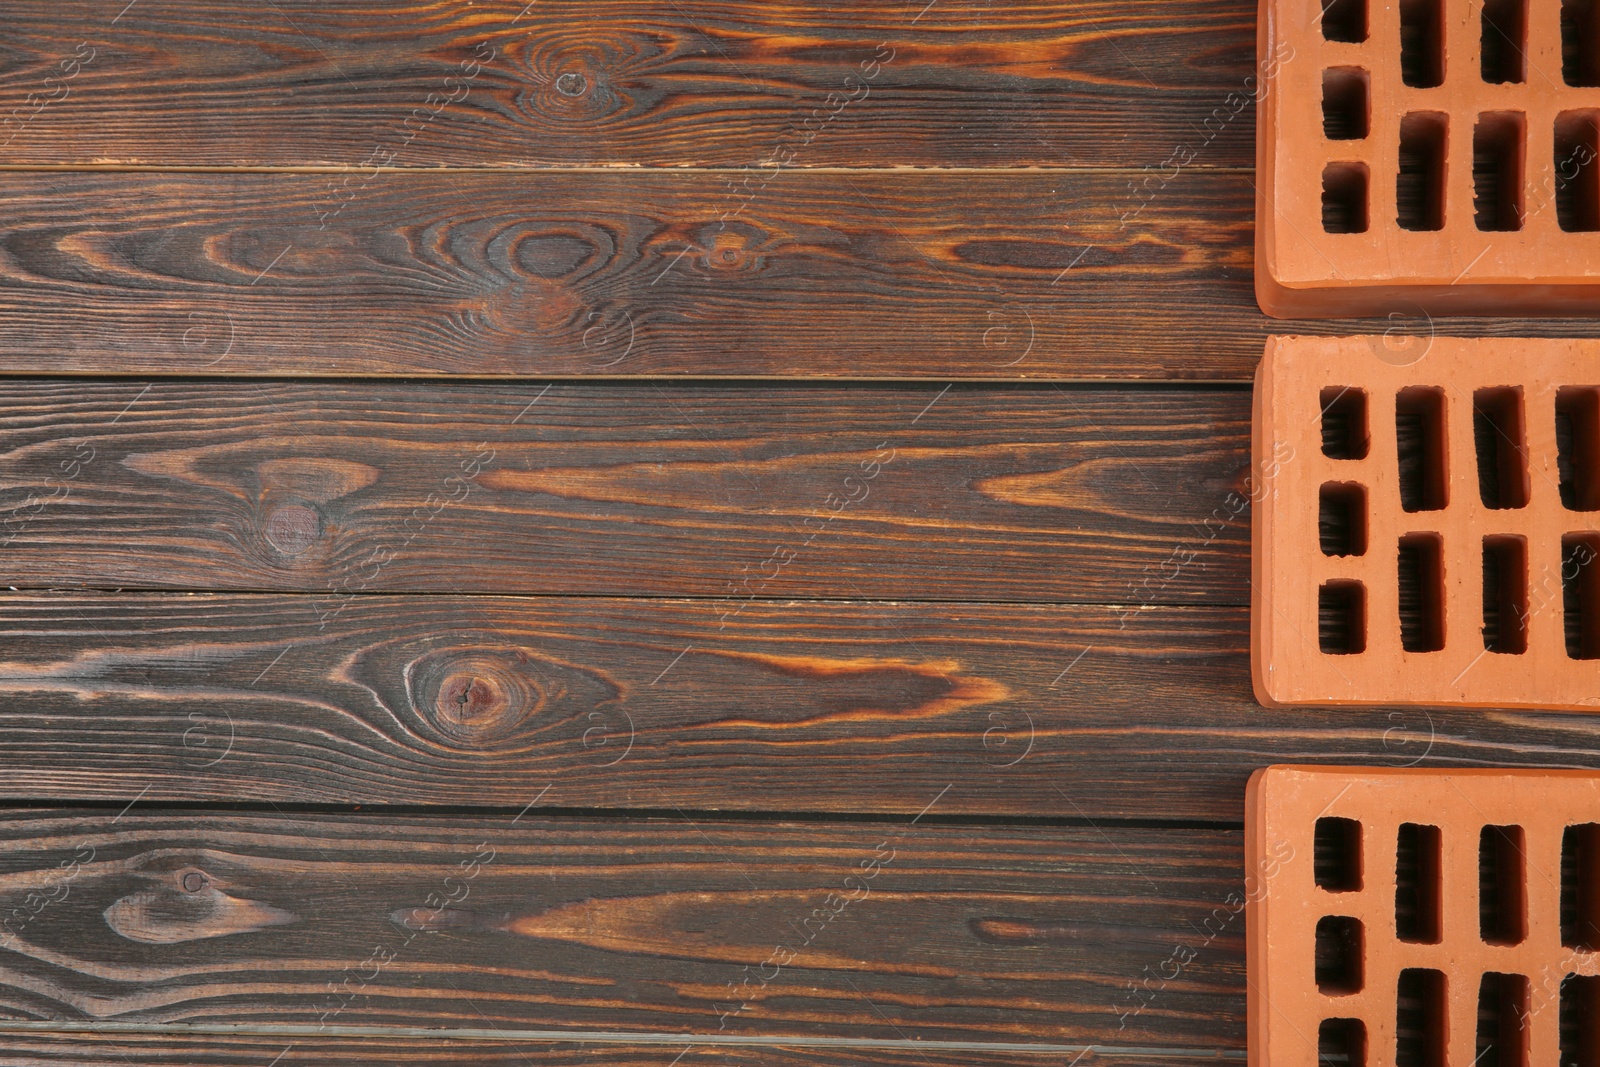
1427	532
1437	155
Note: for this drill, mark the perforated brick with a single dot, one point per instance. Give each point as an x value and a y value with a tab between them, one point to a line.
1439	154
1426	918
1427	533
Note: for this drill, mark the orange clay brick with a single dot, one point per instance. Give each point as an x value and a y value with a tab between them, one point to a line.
1427	918
1427	532
1428	154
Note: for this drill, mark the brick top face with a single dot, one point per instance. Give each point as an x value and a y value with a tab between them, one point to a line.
1422	917
1433	154
1426	523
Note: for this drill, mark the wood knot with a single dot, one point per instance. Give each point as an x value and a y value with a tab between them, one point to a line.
292	528
733	248
467	699
590	76
193	881
475	697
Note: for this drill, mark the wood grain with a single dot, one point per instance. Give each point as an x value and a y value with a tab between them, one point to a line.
1066	274
119	1048
1024	711
624	82
890	931
1034	493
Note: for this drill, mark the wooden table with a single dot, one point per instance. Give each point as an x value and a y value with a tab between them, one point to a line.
682	532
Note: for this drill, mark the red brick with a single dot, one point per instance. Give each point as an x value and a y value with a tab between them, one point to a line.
1398	874
1543	551
1458	268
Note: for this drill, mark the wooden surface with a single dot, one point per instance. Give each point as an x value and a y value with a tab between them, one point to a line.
1021	711
679	925
728	492
455	611
998	275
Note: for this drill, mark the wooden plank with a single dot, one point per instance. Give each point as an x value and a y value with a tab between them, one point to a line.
891	931
1001	710
986	493
1064	274
120	1048
627	82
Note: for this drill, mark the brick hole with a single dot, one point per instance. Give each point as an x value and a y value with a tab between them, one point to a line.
1336	854
1580	594
1503	55
1344	423
1580	887
1420	1019
1502	1021
1497	158
1421	580
1505	595
1580	1021
1344	198
1342	1043
1422	43
1500	440
1577	164
1419	415
1344	20
1342	618
1502	879
1342	519
1340	948
1420	184
1580	42
1346	112
1418	885
1578	447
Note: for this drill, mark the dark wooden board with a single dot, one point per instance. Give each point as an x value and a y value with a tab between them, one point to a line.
978	493
1024	711
891	930
115	1047
626	273
628	82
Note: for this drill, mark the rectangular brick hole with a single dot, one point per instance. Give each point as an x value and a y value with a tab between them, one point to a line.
1342	519
1418	884
1420	1019
1340	948
1502	1021
1578	447
1421	579
1502	892
1344	423
1497	161
1577	161
1342	1043
1503	55
1500	440
1344	198
1505	595
1346	112
1344	20
1580	594
1580	887
1580	1021
1342	618
1422	43
1420	442
1580	42
1419	187
1336	854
